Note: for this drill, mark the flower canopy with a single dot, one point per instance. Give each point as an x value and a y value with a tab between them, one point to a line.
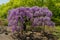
36	15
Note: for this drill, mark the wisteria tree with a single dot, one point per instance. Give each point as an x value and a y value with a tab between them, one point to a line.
35	16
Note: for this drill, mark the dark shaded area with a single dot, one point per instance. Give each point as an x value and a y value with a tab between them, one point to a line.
32	37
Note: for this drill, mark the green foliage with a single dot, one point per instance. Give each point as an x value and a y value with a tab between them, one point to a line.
51	4
57	32
55	10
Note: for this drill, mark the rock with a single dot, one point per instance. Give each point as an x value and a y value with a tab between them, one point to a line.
44	38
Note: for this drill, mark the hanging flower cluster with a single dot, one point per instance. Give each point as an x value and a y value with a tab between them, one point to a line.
38	16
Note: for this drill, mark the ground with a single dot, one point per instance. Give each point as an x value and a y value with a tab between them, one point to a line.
5	37
8	37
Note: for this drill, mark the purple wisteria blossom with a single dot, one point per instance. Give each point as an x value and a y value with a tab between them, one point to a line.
38	16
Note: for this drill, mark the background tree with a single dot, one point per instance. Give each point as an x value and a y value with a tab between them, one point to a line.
53	5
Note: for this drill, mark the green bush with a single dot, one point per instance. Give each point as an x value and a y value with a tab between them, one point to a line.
51	4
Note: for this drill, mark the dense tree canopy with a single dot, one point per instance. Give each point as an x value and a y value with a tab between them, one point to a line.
53	5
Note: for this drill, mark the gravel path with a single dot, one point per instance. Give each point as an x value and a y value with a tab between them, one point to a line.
5	37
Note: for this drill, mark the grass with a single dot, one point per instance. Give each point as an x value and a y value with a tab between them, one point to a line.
57	32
